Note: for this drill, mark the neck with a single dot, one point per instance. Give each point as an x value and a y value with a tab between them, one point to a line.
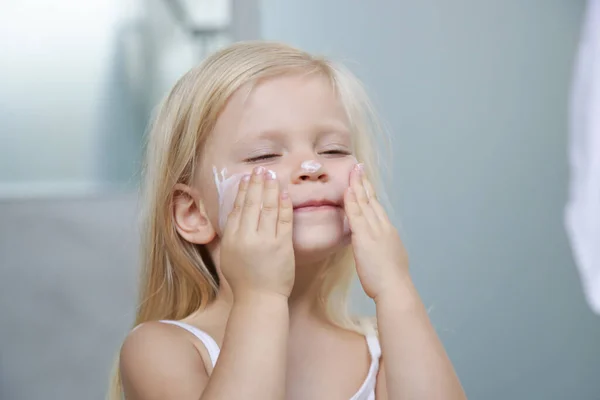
305	295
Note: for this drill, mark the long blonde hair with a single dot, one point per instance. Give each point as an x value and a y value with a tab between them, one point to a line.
177	277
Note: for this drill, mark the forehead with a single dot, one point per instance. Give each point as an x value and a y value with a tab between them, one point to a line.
295	104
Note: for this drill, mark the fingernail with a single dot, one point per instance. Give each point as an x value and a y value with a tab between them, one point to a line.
246	178
360	167
271	175
259	170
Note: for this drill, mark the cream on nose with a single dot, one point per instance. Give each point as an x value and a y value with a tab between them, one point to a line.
310	166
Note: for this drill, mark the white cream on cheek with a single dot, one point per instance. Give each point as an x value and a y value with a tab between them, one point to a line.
227	188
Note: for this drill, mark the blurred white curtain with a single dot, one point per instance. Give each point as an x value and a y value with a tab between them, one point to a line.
582	214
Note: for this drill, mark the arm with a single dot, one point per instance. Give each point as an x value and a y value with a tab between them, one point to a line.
252	363
417	366
159	362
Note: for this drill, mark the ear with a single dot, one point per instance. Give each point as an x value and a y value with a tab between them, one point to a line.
191	220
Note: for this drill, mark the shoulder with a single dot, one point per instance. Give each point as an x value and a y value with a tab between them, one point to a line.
160	361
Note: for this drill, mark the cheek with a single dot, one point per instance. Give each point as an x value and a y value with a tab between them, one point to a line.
339	172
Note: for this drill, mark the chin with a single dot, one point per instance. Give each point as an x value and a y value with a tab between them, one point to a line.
318	243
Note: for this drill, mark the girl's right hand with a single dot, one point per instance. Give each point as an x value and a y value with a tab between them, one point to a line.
257	254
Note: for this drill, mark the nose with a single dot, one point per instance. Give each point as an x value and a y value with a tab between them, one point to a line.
310	170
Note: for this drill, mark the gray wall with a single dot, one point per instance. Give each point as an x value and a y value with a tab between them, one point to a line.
475	94
67	294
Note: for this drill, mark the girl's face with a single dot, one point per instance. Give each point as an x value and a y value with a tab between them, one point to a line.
295	126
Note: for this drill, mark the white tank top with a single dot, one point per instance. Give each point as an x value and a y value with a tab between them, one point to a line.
365	392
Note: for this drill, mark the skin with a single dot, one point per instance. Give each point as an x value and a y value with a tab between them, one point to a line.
274	343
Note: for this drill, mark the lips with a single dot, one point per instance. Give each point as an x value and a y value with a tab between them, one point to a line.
315	204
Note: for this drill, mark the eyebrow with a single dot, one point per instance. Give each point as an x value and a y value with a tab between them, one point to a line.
267	134
327	127
321	129
332	126
248	138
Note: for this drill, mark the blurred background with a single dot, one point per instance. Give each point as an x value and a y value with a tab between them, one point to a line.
475	94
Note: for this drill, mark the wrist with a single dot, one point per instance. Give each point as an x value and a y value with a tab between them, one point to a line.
399	291
257	298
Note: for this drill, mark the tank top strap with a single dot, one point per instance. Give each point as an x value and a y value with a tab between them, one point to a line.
211	346
367	390
372	340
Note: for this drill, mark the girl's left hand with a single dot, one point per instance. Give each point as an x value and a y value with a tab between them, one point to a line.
380	256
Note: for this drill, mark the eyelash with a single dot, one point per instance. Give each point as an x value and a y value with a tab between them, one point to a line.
261	158
269	156
340	152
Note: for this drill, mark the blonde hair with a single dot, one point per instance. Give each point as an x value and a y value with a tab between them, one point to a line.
178	277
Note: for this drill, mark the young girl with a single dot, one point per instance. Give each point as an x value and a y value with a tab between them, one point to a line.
258	215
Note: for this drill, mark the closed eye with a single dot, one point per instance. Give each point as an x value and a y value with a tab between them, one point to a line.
336	152
262	157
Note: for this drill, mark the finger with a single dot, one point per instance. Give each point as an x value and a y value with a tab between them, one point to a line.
356	183
233	219
253	201
285	219
379	211
373	201
369	190
356	219
270	206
